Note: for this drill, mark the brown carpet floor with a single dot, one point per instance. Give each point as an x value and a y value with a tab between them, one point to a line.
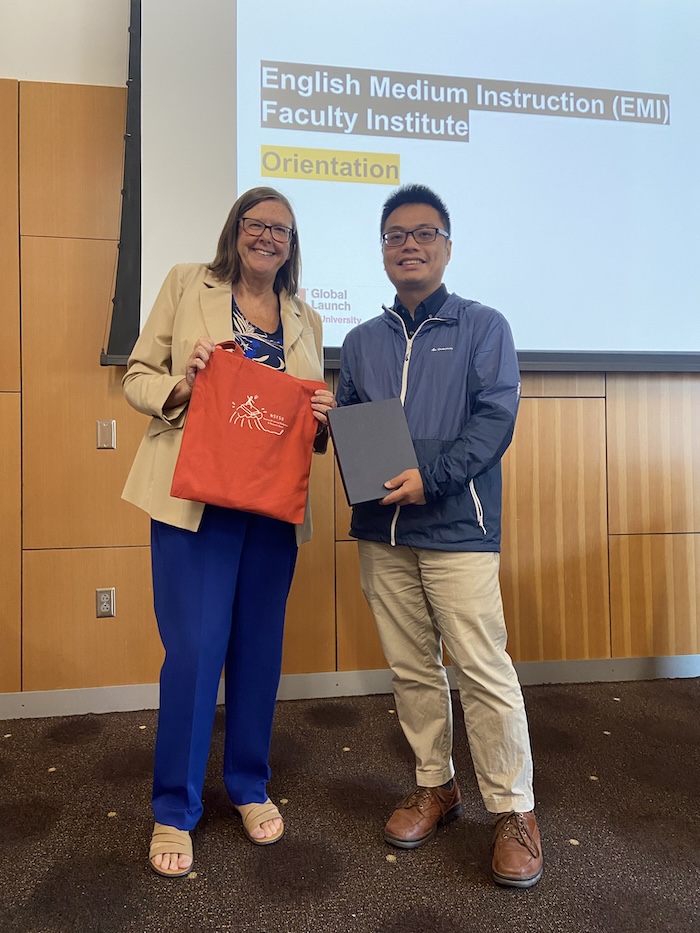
617	770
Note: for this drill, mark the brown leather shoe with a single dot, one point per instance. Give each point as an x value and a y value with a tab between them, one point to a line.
517	850
417	817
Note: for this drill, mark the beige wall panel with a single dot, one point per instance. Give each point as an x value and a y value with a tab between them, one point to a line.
309	643
71	159
563	385
10	543
654	453
554	567
359	648
72	490
655	595
64	645
9	238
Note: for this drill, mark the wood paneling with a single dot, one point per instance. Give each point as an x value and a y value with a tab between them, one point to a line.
10	543
654	453
343	512
71	159
309	643
359	648
72	490
655	595
9	238
65	646
563	385
554	568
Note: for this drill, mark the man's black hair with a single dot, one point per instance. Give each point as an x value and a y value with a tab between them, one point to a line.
415	194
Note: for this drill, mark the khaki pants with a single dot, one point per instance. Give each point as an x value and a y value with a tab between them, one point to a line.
419	598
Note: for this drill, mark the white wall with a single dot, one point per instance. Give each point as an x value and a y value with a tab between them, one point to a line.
65	41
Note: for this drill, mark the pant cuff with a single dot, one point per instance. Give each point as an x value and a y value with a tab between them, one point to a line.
434	778
509	804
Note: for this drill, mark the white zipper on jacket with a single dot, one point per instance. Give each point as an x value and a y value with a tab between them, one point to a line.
477	505
404	386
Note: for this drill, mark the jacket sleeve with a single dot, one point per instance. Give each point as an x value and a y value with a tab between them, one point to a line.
149	378
346	393
494	396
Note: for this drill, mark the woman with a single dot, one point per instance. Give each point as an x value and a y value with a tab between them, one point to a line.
221	577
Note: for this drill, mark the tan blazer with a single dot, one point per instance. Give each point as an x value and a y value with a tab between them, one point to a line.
193	304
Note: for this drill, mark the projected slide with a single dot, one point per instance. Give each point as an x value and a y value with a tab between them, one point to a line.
565	140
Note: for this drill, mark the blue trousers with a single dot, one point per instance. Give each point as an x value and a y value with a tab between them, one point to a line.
220	595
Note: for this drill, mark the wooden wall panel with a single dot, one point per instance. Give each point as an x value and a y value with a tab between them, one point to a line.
65	646
654	453
10	543
71	159
563	385
554	566
9	237
655	595
343	512
309	643
359	648
72	490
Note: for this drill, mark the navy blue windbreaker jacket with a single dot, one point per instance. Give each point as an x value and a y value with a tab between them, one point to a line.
459	381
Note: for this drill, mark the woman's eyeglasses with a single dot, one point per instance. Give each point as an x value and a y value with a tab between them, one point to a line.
256	228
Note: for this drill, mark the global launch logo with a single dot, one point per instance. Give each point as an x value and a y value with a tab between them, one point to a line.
331	303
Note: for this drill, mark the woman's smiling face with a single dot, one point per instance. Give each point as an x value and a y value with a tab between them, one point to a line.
262	256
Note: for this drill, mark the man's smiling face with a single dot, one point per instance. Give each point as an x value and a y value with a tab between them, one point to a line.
415	270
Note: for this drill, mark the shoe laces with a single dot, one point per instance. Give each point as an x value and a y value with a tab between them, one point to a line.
514	827
418	798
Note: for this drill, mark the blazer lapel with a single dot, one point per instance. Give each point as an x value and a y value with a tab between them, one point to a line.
215	302
291	321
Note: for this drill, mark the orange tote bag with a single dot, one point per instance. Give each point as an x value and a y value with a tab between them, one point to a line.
248	438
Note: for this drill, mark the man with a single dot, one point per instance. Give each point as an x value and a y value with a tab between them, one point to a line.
429	550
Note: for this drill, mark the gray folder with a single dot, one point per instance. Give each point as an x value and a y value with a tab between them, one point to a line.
372	445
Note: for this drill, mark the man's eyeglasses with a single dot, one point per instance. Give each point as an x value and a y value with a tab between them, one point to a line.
256	228
421	235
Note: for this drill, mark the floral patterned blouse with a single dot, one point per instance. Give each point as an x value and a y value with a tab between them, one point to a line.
257	344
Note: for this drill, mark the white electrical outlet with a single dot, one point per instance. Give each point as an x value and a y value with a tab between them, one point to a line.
106	607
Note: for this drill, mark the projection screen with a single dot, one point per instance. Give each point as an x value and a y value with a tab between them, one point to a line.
564	138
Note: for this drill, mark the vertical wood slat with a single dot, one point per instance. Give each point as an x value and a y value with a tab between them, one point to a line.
655	595
554	562
9	238
654	453
71	160
65	645
343	512
359	648
10	543
72	490
309	640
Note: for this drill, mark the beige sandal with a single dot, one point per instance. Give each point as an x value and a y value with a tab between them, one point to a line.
254	814
168	839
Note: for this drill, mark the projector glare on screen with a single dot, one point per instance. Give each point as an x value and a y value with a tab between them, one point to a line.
565	144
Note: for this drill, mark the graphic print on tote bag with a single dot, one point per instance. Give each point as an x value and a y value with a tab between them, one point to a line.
247	414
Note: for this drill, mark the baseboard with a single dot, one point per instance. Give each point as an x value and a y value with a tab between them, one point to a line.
41	703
